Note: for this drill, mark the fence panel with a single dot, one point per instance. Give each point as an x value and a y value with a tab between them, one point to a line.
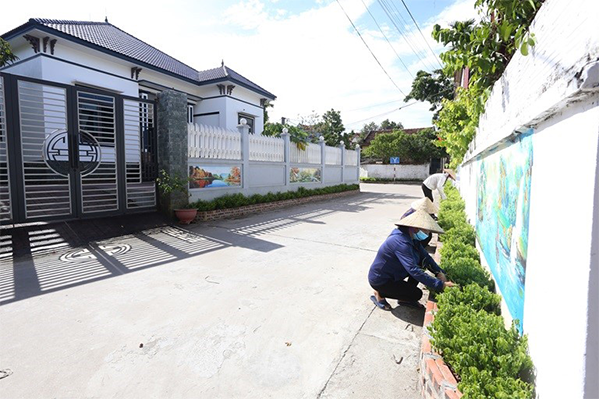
266	148
311	155
333	156
206	141
351	157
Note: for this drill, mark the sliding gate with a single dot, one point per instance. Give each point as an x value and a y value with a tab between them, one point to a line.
68	152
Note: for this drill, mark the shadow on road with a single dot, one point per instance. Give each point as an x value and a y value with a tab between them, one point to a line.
42	258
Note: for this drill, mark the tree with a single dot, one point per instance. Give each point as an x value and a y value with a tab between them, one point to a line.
457	122
297	135
268	105
387	124
6	54
332	128
487	47
416	148
432	88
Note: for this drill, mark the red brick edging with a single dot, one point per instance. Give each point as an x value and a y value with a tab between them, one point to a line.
257	208
437	381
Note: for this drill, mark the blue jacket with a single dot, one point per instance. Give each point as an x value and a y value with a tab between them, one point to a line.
400	256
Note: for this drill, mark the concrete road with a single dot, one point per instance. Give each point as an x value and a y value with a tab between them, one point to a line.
275	305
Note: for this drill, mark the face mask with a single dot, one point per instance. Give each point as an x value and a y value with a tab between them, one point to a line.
420	235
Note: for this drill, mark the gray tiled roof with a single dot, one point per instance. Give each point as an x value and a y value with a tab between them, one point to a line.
226	72
109	37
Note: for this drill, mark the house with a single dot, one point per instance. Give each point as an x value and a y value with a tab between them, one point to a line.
89	114
100	55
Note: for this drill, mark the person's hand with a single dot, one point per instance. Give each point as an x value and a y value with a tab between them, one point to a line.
449	284
441	276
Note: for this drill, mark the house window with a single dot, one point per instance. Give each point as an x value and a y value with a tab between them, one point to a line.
190	113
249	121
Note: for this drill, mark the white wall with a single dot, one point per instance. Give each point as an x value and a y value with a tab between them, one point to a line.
398	171
552	91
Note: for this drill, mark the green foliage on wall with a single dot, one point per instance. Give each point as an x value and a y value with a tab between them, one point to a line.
468	331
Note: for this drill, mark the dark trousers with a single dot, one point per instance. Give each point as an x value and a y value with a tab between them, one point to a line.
401	290
427	192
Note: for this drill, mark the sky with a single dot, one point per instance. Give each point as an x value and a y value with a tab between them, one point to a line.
305	52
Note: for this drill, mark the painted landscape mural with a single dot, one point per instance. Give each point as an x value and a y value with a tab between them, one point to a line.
298	175
503	191
214	176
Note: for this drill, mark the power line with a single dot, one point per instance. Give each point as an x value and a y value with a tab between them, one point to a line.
385	113
430	49
388	10
373	54
381	30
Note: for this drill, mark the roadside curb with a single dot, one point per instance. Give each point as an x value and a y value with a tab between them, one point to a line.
437	381
236	212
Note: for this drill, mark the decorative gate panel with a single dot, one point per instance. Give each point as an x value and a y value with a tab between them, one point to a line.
45	157
138	121
5	200
97	141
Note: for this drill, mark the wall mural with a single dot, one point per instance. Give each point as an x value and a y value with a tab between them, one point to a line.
210	176
503	191
298	175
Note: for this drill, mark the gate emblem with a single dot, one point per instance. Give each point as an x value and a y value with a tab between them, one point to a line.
56	153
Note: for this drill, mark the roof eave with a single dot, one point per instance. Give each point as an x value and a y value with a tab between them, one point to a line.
34	25
244	85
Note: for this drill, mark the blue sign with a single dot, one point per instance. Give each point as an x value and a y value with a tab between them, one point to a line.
394	160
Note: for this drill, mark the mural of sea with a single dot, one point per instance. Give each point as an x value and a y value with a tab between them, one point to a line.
503	191
214	176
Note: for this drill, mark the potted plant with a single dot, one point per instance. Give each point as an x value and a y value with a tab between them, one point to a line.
167	185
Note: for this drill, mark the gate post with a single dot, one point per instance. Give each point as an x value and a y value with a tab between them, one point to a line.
172	145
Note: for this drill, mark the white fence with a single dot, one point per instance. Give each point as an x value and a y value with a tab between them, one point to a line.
311	155
224	162
206	141
266	148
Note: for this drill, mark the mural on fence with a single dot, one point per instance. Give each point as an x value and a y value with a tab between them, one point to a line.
214	176
503	191
298	175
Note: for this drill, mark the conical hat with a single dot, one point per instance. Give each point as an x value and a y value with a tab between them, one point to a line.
420	219
424	204
451	173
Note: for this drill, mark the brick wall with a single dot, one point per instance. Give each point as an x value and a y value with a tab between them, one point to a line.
437	381
257	208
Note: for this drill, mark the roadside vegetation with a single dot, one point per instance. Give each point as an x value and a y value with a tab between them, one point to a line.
490	361
239	200
483	49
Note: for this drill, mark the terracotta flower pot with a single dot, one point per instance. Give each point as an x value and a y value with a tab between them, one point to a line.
186	215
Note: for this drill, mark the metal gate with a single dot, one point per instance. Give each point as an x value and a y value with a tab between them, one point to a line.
68	152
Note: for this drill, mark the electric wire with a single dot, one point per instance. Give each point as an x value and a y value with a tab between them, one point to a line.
373	54
430	49
386	38
422	52
388	11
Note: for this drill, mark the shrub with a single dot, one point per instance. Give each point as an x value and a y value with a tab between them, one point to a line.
473	295
463	233
458	249
473	341
468	331
239	200
465	270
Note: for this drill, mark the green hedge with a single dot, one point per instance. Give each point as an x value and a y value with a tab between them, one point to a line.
468	331
239	200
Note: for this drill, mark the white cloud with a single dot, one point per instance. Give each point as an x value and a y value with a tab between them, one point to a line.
312	60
